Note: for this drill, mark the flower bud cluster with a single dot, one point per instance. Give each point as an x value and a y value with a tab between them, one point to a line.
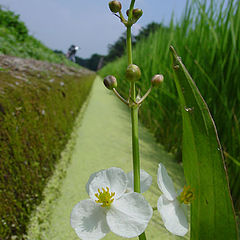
136	14
116	7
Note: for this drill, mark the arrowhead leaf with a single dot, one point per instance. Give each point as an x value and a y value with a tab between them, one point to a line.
212	212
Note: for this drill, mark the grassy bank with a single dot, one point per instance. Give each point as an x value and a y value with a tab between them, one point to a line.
37	112
39	102
207	38
15	40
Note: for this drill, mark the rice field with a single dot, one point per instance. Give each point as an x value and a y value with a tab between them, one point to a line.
207	38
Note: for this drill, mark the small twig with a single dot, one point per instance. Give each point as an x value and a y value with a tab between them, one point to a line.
120	97
145	96
121	17
117	16
129	95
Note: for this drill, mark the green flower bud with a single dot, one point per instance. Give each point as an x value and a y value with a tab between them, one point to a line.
133	73
115	6
137	13
110	82
157	80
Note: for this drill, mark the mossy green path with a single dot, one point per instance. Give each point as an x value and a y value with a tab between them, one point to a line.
102	140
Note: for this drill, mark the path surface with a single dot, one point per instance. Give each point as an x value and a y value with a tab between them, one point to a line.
102	139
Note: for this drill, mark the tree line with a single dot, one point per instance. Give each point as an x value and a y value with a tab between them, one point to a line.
117	49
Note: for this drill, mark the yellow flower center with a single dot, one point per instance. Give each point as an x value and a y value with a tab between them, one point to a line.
187	195
105	197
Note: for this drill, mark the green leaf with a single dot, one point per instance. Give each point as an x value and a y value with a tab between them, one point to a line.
212	212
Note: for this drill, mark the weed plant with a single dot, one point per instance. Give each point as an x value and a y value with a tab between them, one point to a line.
207	37
36	118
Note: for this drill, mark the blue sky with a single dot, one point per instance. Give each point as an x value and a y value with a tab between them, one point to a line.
86	23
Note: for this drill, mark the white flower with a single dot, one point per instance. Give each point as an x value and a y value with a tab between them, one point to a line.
145	181
110	208
170	208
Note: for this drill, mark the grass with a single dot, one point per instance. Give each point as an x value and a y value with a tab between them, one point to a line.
207	37
38	107
16	41
36	117
29	48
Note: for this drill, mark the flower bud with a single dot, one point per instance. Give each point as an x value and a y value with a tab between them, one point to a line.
133	73
157	80
115	6
110	82
137	13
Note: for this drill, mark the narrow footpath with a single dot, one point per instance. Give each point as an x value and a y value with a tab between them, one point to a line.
101	139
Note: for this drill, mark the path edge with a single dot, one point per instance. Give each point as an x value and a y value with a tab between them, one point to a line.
39	221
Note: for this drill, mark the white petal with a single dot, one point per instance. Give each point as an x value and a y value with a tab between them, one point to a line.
173	216
89	220
90	180
113	178
129	215
145	181
165	183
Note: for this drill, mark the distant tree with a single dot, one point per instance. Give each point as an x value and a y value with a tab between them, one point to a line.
146	31
93	61
59	52
82	62
90	63
117	49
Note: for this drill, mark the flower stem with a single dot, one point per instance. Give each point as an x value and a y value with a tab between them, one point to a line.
134	112
129	45
134	116
142	236
135	142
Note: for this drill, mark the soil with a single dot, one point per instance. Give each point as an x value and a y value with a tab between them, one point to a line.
19	67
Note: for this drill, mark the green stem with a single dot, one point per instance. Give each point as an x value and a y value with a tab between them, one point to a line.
134	117
142	236
129	45
135	142
131	8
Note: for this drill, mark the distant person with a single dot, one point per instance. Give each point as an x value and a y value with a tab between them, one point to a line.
72	52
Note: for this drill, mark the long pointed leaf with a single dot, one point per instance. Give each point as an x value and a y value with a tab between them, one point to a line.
212	212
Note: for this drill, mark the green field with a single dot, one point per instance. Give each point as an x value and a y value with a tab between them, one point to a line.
207	37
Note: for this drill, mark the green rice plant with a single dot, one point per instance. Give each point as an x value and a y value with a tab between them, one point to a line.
207	37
